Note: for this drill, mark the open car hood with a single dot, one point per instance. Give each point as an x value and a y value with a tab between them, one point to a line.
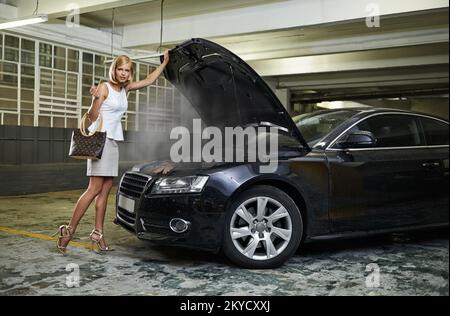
224	90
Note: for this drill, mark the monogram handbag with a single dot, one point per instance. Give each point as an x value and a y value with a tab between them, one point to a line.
84	146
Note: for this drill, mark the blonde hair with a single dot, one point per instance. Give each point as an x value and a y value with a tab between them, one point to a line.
118	62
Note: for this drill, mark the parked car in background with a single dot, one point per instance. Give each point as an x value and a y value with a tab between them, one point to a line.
346	173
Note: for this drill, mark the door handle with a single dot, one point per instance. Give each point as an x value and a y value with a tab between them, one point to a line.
431	165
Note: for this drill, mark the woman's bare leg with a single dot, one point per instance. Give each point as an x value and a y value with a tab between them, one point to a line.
101	203
85	200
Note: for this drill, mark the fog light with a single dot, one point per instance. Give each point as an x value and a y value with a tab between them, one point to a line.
179	225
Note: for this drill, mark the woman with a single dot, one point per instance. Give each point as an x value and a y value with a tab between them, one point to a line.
111	103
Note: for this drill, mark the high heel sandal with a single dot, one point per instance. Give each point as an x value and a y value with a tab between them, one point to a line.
96	242
64	231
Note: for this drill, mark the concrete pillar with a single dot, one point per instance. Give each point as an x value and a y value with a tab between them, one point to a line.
284	95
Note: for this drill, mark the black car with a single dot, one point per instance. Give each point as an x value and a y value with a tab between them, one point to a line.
340	173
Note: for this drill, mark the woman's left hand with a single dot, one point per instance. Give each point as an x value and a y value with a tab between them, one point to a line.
166	57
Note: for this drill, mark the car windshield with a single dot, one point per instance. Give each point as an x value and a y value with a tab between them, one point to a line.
315	126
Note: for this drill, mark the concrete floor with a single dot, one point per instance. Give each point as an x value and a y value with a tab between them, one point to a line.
408	264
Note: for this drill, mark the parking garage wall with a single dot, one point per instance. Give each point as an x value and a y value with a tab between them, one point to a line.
35	159
42	145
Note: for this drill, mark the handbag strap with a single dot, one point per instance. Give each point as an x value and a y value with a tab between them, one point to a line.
85	116
83	125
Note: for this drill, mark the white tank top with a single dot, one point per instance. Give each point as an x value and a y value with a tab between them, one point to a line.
112	110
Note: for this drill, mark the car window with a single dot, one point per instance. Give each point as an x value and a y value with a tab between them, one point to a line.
436	132
391	130
315	126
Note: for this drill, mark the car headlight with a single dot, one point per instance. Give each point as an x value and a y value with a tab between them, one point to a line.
192	184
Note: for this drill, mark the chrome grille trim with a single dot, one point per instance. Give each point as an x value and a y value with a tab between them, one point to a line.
133	184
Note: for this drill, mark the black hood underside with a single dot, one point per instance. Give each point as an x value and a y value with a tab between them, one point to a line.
224	90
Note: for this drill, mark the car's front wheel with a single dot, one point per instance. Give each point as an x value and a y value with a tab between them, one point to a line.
263	228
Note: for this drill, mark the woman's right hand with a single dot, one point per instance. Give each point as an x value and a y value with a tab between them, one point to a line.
99	93
164	168
93	90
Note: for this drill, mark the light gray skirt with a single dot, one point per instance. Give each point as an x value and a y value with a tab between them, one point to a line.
108	166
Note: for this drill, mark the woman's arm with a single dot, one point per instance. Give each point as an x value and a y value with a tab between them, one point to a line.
151	77
97	99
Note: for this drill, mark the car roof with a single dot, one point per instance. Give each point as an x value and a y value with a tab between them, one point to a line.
390	110
364	111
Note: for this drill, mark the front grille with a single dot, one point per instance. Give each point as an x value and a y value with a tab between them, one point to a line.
133	184
125	216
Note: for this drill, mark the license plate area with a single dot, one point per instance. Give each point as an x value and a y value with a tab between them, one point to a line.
126	203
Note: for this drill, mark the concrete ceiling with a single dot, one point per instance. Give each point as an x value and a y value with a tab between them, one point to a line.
11	2
316	49
150	11
398	30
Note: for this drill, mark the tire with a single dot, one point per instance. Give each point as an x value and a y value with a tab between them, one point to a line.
265	240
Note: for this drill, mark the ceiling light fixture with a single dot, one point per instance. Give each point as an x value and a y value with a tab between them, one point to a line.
33	19
340	104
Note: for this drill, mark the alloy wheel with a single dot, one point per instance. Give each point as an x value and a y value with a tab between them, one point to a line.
261	228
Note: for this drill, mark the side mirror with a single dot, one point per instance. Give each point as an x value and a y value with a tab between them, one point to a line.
359	139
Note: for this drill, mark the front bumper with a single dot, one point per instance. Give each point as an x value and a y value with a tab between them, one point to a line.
148	216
